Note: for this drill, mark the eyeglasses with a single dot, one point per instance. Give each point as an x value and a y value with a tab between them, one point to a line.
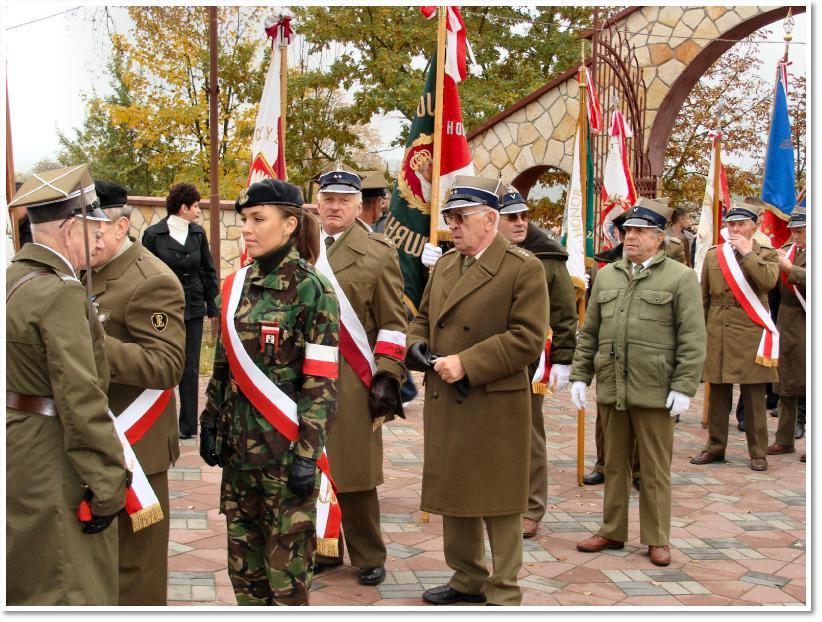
516	216
98	232
457	217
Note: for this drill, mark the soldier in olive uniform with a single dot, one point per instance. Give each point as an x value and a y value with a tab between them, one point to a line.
482	320
140	304
644	340
514	226
286	311
60	441
791	324
375	201
366	265
733	338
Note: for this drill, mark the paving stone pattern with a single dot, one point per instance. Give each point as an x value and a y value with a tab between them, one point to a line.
737	537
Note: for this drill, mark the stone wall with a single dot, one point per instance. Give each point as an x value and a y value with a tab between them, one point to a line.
150	210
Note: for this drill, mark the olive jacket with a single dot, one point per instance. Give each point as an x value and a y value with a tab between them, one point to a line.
53	352
791	325
643	336
367	268
495	317
733	337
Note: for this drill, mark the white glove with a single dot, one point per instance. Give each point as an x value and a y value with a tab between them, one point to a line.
677	403
578	394
559	374
430	254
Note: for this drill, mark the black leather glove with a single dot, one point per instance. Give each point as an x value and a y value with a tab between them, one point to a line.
96	523
384	399
462	386
419	357
301	476
208	446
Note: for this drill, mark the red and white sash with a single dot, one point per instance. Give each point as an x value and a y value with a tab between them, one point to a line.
539	383
768	352
353	338
279	409
784	276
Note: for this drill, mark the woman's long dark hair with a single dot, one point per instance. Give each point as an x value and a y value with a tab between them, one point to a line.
306	237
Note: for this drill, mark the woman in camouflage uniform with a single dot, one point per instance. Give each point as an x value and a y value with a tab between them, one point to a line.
284	316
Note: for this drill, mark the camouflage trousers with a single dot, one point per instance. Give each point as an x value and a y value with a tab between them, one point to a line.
271	536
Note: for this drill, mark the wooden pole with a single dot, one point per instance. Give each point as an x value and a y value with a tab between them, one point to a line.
437	155
706	399
11	187
214	92
283	88
583	171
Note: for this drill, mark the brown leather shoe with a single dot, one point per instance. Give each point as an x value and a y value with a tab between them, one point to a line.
759	464
529	527
597	543
706	458
802	459
660	555
776	449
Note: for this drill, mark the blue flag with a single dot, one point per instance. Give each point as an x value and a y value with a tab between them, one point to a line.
779	184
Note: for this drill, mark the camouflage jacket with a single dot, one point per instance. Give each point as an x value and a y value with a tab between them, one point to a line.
303	304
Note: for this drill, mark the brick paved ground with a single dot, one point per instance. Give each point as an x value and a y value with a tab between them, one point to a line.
738	536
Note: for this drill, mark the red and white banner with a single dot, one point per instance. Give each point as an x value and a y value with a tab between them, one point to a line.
267	154
768	352
455	158
705	231
618	190
354	346
539	383
592	103
784	276
277	408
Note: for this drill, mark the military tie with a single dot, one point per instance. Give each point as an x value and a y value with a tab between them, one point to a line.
329	240
467	262
637	269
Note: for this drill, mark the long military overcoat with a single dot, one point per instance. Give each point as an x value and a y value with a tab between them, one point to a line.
733	337
140	304
367	268
50	353
495	317
791	324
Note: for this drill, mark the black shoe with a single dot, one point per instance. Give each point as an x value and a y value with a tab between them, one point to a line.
447	595
635	483
185	437
741	426
372	576
800	430
593	478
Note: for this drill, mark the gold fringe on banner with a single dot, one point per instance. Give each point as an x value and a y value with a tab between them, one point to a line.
146	517
538	388
328	547
766	362
426	517
444	236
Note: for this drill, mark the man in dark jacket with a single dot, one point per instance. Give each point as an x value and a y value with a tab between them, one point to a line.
182	244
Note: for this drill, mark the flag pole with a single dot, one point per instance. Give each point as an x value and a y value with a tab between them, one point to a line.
437	155
283	84
11	187
583	171
213	88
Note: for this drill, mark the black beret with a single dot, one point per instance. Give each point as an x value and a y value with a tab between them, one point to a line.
110	194
269	192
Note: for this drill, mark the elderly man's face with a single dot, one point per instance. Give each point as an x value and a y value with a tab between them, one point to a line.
642	243
514	227
471	227
745	228
338	210
798	236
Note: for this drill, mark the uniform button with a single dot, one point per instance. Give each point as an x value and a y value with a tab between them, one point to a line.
436	395
441	324
466	327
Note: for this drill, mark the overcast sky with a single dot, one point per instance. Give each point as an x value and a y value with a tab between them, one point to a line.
52	62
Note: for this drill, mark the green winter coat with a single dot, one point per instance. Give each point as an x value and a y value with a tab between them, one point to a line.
642	337
791	325
50	353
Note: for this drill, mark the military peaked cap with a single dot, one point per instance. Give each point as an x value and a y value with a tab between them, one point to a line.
468	190
512	202
110	194
59	194
647	213
749	207
373	185
340	181
797	218
269	192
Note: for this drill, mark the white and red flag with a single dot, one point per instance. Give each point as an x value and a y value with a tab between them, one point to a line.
705	231
267	153
618	190
455	158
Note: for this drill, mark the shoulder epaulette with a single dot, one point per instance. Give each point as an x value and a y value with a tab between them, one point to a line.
382	238
449	251
672	238
518	251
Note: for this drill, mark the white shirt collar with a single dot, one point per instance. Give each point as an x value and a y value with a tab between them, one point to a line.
66	261
336	236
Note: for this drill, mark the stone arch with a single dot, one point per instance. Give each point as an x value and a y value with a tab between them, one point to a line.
674	46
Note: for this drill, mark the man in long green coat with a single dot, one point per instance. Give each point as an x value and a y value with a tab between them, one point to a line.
61	445
140	304
644	340
367	267
483	318
514	226
734	338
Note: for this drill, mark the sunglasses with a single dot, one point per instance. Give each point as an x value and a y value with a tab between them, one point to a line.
457	217
516	216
